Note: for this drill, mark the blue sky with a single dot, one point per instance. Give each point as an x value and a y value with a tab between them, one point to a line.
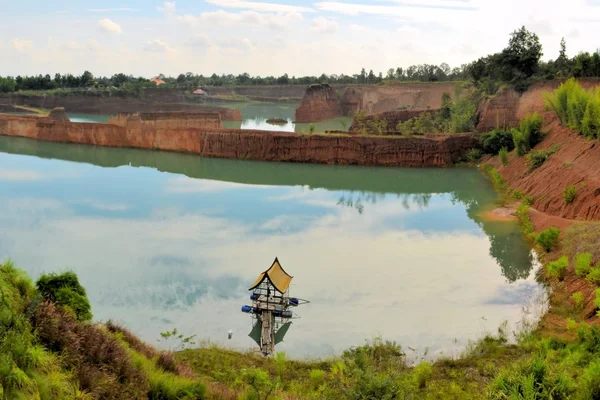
271	38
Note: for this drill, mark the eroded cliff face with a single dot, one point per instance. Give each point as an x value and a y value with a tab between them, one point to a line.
431	151
320	103
168	120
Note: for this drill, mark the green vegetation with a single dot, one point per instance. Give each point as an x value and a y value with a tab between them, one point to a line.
557	269
583	264
529	133
578	300
496	140
503	155
569	194
474	155
456	116
536	158
576	108
548	239
65	290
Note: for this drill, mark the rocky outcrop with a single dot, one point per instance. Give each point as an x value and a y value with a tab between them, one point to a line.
391	118
58	114
268	93
320	103
499	112
430	151
374	99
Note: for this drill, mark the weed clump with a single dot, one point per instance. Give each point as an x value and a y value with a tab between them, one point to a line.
577	299
529	133
503	155
65	290
583	264
569	194
558	268
422	374
536	158
548	239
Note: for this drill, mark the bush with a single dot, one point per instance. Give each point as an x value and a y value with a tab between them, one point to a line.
422	374
569	194
529	133
536	158
530	380
594	275
590	381
548	239
597	300
474	155
65	290
583	264
578	300
496	140
577	108
590	125
557	269
503	155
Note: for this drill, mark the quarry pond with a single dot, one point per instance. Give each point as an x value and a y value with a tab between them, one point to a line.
163	240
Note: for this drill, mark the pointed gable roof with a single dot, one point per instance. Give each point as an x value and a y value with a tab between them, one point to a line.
276	275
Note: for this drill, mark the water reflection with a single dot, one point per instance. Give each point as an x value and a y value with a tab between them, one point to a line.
163	240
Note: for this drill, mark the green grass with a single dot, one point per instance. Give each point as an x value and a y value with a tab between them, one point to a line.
558	268
569	194
583	264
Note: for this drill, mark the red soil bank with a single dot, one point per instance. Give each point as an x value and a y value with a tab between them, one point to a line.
431	151
153	101
577	163
168	120
319	104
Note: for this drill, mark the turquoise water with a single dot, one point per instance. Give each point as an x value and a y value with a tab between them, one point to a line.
164	240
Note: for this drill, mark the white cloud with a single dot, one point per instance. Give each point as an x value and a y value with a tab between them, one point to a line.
187	19
76	46
109	26
158	46
22	45
252	18
167	8
251	5
102	10
19	175
324	25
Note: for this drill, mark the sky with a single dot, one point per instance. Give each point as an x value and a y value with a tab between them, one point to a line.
145	38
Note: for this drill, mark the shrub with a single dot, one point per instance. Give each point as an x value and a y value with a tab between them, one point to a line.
590	381
536	158
496	140
548	239
503	155
597	300
530	380
474	155
590	125
558	268
65	290
583	264
577	108
317	378
529	133
312	128
594	275
577	299
571	324
569	194
422	374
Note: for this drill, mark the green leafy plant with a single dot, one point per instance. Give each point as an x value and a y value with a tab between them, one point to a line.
558	268
583	264
312	128
494	141
422	374
65	290
503	155
571	324
578	299
569	194
594	275
536	158
474	155
597	299
529	133
548	238
181	341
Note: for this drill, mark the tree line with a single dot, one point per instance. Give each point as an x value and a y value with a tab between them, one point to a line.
518	65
